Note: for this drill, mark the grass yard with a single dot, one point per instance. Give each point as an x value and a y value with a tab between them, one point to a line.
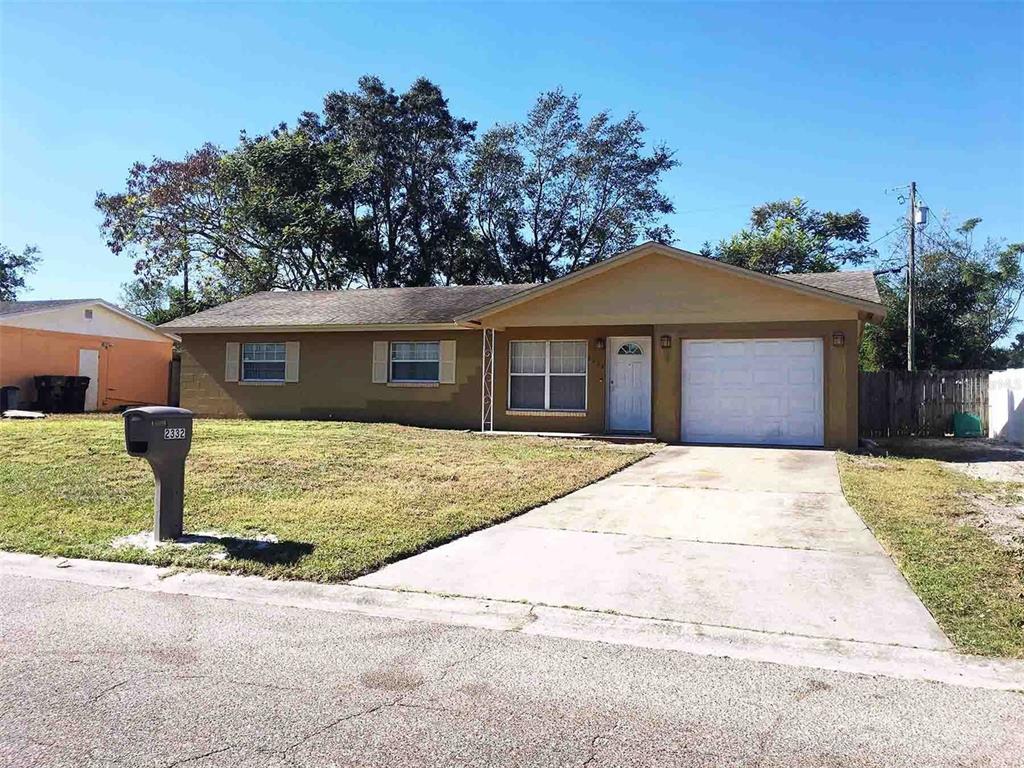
922	514
342	498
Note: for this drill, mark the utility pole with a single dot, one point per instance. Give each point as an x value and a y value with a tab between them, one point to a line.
911	215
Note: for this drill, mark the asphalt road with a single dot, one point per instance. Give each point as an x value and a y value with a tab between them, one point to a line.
91	676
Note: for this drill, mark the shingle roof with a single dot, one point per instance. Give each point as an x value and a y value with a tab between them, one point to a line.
378	306
17	307
858	284
412	306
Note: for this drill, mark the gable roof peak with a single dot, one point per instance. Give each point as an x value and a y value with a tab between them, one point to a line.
865	296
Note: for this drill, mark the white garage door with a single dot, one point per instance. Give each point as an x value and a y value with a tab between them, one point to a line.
757	391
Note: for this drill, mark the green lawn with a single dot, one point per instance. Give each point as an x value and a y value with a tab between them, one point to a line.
342	498
918	511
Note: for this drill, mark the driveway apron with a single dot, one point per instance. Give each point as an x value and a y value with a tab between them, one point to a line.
752	538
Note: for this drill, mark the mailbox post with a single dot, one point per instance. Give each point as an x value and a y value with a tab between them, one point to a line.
162	436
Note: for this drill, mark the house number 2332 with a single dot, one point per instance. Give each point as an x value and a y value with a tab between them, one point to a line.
174	433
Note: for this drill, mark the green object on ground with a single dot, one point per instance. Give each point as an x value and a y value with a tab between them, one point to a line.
966	425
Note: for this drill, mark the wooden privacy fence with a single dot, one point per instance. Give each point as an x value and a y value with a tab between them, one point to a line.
922	403
174	380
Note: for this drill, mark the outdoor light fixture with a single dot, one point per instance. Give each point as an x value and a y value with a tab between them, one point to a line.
666	342
599	343
838	339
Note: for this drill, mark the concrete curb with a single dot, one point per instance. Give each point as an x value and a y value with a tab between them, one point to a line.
569	623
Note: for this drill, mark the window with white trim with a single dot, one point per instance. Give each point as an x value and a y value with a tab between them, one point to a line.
547	375
263	361
415	361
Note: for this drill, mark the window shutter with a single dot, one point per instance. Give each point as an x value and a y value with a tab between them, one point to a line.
447	374
380	362
291	361
231	356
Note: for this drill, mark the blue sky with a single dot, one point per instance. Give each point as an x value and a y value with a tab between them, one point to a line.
832	102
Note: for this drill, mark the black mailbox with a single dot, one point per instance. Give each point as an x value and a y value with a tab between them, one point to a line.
162	436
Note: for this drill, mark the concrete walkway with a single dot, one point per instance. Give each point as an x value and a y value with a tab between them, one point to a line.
747	538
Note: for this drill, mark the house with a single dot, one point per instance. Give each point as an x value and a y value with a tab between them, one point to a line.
126	359
654	340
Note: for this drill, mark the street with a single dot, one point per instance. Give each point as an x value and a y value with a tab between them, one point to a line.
94	676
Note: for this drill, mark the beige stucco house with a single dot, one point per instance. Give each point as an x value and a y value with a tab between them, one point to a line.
654	340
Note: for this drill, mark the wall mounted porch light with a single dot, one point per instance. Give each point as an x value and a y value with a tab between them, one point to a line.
838	339
666	342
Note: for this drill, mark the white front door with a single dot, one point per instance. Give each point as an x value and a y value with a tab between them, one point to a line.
753	391
629	383
89	365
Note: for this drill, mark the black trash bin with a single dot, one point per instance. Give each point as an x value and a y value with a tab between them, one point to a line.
50	393
9	398
74	394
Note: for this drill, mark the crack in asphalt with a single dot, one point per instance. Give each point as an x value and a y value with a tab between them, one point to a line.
283	752
592	749
194	758
397	701
766	739
449	667
96	697
244	683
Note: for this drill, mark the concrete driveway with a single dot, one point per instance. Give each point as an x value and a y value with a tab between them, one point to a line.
752	538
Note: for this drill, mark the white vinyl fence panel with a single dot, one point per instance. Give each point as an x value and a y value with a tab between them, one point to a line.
1006	405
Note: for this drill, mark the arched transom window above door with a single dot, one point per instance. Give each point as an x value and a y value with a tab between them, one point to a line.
629	348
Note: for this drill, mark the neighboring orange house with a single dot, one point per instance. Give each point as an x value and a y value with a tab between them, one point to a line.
126	359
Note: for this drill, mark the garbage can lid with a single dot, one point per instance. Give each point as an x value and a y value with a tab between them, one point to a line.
158	410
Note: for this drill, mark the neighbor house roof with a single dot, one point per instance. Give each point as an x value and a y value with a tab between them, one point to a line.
437	305
20	307
445	305
11	309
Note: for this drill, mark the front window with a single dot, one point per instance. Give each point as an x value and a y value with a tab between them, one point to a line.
548	375
263	361
413	361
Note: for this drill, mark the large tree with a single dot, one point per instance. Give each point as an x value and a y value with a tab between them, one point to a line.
14	266
556	192
368	194
256	218
386	189
788	236
291	194
410	200
159	301
966	300
172	219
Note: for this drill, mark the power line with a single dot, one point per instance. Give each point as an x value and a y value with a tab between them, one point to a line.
719	208
877	239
